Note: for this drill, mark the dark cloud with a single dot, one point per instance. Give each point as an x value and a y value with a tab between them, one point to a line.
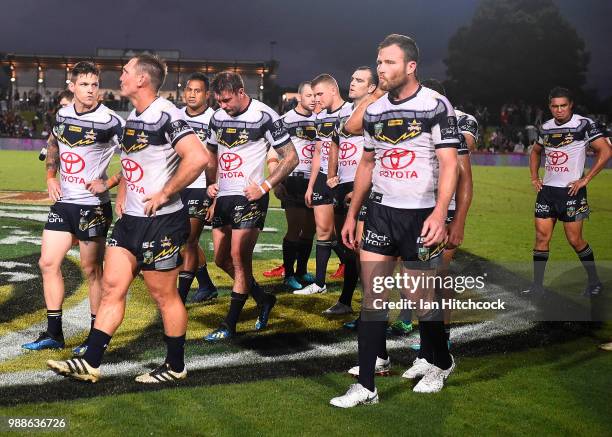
313	36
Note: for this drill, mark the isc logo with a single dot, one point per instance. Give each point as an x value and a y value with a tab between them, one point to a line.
148	244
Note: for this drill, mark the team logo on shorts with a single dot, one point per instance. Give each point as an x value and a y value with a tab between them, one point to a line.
83	222
147	257
165	242
98	211
571	211
111	242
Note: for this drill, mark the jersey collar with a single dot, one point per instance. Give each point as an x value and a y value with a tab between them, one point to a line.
87	112
399	102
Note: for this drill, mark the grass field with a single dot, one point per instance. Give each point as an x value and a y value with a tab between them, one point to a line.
549	379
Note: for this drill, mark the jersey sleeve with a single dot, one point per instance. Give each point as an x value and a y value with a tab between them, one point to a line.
594	130
117	131
55	131
468	125
211	139
176	127
274	130
368	132
444	125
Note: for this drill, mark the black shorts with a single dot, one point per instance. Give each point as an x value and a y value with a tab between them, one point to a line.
196	202
397	232
321	193
340	192
555	202
238	212
363	211
450	215
154	241
296	186
85	222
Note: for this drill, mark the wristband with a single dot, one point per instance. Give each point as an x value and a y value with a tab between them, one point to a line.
272	160
265	186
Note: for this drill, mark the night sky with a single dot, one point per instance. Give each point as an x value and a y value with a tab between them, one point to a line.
312	37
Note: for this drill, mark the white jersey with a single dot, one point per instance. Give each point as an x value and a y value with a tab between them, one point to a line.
199	124
303	132
404	136
241	144
466	124
565	148
326	127
148	158
86	143
350	147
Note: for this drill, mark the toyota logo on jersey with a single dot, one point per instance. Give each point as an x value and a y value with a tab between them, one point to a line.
347	150
72	163
397	159
557	157
325	148
230	161
132	171
308	151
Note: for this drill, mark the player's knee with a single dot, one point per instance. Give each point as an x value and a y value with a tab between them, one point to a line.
91	270
222	261
577	242
542	238
48	264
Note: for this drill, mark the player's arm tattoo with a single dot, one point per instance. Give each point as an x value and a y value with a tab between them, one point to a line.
53	159
288	161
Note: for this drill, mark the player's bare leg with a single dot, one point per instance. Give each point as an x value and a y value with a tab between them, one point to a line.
573	233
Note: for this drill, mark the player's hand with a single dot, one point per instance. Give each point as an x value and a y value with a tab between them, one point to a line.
212	190
253	191
97	186
210	213
154	202
576	185
308	197
119	207
434	229
280	191
53	187
455	234
349	233
333	182
348	198
537	184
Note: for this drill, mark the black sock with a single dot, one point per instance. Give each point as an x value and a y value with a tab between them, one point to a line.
369	341
289	256
324	248
184	284
587	258
426	350
350	280
203	277
233	314
258	293
303	249
175	355
382	348
96	345
539	265
441	357
54	323
340	251
447	330
92	321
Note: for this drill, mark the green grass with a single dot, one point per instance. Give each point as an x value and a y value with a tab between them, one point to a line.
561	387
